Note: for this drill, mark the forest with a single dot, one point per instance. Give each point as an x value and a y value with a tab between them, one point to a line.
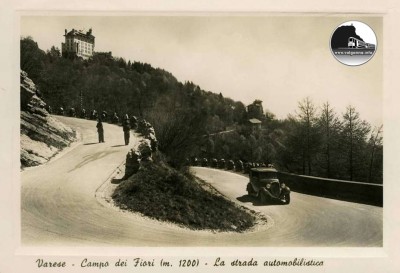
190	122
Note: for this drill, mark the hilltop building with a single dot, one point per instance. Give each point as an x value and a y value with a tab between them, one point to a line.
255	124
78	44
255	110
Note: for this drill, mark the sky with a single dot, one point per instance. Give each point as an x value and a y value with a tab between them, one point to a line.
278	59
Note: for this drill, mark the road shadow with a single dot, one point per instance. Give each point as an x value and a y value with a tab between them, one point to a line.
91	143
92	157
246	198
255	201
118	145
259	204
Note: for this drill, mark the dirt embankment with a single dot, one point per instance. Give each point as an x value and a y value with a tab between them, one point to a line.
42	136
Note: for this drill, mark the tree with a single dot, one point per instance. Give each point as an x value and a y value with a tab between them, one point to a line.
354	135
210	147
275	139
239	113
32	58
330	126
269	116
178	133
53	54
293	156
375	142
252	145
307	120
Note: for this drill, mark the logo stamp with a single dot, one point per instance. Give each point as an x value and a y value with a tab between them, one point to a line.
353	43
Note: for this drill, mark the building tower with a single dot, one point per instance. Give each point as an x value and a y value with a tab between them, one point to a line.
78	44
255	110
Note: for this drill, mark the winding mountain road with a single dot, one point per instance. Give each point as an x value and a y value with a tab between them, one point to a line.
59	207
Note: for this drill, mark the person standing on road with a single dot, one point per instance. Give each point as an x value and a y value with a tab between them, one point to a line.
126	127
100	130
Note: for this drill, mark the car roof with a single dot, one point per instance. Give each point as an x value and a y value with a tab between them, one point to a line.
264	170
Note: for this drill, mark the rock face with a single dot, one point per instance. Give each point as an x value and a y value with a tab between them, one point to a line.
144	152
146	129
42	137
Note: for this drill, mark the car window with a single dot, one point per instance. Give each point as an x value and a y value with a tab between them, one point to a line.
268	175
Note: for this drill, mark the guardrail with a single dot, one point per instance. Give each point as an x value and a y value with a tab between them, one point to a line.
366	193
359	192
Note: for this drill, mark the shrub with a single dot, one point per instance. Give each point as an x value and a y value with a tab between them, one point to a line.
166	194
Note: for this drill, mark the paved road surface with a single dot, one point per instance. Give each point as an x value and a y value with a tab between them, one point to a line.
307	220
59	207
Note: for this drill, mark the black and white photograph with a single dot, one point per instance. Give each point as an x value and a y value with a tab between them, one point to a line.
199	141
197	131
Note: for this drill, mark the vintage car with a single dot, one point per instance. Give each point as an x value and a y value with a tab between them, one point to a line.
264	184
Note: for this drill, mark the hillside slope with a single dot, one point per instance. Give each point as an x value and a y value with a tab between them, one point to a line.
42	136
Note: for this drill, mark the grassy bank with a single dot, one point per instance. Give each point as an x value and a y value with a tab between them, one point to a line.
163	193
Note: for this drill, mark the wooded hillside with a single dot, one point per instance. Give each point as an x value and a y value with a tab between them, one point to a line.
313	140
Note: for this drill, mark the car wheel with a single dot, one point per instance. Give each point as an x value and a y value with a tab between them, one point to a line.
287	198
262	196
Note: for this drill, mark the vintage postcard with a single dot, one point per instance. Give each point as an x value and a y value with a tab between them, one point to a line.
201	141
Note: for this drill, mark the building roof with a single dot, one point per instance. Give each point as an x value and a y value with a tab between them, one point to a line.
256	103
254	121
75	32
